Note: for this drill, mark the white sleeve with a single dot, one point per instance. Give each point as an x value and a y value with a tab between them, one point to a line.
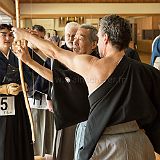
154	41
157	63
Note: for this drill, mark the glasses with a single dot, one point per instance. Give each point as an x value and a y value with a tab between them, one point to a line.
5	34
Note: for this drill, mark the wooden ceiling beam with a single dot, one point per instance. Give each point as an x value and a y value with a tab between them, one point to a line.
7	7
90	16
89	1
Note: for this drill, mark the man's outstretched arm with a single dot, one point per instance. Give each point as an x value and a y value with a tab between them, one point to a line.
23	54
47	47
81	64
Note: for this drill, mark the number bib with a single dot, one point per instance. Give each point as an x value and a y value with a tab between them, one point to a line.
38	104
7	106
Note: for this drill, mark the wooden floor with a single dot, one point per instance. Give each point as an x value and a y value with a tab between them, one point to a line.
43	158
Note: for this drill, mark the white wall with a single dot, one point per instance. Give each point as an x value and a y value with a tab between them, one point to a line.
52	11
89	8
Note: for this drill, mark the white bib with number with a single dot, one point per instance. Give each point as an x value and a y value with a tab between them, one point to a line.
7	106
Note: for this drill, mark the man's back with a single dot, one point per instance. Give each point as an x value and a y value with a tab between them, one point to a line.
127	104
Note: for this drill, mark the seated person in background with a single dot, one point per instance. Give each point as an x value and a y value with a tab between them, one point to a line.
55	37
48	36
132	53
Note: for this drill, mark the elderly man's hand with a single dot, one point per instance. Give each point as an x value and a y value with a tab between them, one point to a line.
22	53
19	34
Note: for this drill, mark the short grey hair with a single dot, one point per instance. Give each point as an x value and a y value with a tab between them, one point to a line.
93	32
71	25
118	30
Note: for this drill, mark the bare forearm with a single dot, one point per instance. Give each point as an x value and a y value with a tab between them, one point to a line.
45	46
41	70
51	50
